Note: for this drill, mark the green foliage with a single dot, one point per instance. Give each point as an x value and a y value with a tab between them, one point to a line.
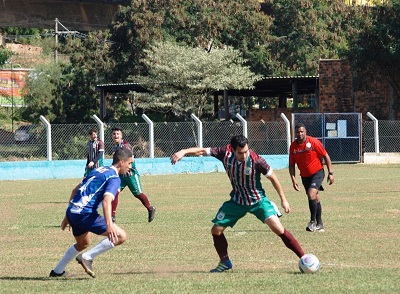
5	54
375	50
308	31
135	26
77	99
40	92
182	78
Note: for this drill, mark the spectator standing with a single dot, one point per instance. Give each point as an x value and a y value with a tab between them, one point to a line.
95	152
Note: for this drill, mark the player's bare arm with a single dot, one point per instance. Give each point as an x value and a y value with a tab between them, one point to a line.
190	151
277	186
112	231
292	172
330	178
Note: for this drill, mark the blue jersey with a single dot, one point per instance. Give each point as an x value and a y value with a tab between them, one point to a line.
90	195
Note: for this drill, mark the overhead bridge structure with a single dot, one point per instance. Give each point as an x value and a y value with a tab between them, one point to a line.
80	15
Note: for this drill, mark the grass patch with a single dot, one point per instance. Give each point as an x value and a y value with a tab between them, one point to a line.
173	254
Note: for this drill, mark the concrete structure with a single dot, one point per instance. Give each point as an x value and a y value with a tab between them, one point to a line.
81	15
64	169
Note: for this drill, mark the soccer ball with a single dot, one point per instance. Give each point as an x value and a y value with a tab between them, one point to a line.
309	264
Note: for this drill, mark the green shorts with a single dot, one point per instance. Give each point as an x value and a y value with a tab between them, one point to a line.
230	212
133	183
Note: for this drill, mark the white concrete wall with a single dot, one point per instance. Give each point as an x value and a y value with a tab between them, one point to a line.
381	158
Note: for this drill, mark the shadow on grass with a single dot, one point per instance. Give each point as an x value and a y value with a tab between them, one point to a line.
40	278
160	272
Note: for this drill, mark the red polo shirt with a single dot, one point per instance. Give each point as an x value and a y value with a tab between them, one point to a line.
308	156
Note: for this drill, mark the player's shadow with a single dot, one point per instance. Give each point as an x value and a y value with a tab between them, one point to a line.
15	278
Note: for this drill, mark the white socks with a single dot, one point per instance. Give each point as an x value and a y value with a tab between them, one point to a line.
68	257
102	247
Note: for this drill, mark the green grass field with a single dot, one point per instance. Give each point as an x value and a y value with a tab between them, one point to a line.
359	250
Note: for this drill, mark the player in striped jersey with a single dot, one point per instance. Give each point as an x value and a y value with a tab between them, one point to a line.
130	179
244	168
95	152
97	189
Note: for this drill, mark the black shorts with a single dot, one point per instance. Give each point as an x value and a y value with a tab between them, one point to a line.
315	181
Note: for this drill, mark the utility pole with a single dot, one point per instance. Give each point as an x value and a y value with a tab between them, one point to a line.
56	48
57	32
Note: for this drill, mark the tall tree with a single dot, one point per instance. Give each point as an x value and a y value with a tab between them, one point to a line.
309	30
77	99
40	91
182	78
135	26
375	51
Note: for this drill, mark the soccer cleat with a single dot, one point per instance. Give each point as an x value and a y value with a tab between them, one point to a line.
222	267
64	274
86	264
320	228
311	227
152	214
113	218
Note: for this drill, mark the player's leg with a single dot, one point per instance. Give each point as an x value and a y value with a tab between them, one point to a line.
114	203
82	238
135	185
99	227
227	216
320	225
288	239
312	185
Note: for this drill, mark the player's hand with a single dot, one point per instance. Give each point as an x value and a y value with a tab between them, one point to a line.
177	156
330	179
65	224
296	186
112	233
285	206
91	164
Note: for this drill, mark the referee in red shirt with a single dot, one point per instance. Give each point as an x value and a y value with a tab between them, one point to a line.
307	152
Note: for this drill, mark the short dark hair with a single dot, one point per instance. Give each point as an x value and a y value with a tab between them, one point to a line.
239	141
121	154
299	125
116	129
91	131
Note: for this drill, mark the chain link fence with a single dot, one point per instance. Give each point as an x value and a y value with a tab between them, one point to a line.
340	133
69	141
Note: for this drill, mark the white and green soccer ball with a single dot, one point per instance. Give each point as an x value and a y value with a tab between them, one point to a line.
309	264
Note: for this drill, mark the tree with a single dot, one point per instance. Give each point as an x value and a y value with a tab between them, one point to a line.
135	26
309	30
5	54
375	50
182	78
76	97
40	92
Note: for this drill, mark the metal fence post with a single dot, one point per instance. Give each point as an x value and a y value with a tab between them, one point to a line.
100	124
244	123
151	134
48	135
376	131
287	123
199	130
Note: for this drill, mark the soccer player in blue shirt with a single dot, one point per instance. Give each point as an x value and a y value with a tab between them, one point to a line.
97	189
244	168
